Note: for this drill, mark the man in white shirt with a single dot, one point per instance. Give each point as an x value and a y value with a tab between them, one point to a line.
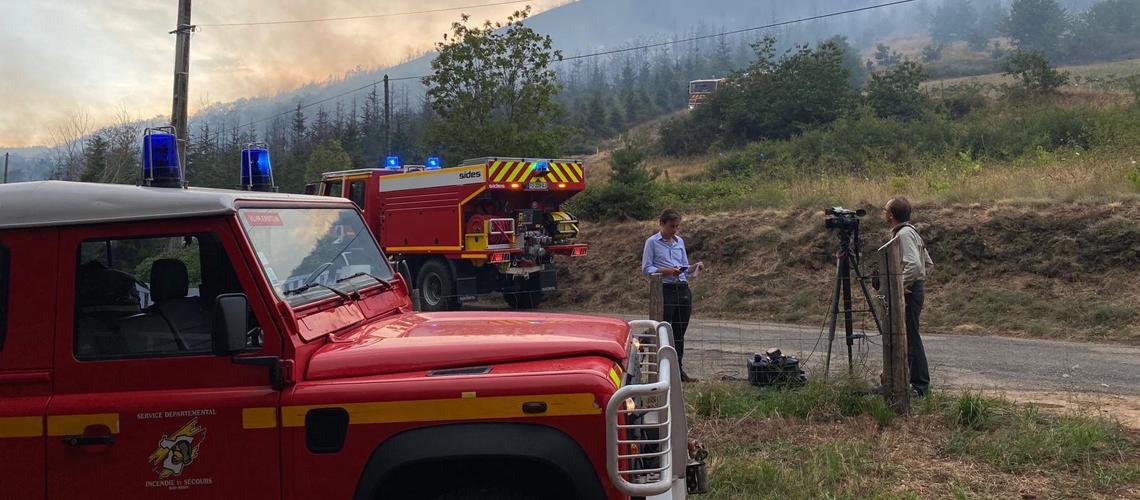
665	254
916	264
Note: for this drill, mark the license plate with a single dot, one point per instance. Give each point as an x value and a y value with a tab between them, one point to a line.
538	185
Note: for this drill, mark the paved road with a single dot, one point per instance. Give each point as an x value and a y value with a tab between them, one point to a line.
721	348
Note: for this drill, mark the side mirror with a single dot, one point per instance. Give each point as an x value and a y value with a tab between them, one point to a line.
230	323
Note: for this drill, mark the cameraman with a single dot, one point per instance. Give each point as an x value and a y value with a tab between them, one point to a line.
916	264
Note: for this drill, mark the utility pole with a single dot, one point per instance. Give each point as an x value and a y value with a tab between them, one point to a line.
181	76
5	168
387	117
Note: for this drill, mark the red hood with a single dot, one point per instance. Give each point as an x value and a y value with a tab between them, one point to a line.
432	341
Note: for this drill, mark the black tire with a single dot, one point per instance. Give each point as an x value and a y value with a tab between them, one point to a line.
437	287
526	294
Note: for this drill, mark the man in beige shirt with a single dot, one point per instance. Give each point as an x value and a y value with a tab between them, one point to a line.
916	264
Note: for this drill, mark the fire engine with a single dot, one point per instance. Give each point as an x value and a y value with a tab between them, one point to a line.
699	90
162	341
487	225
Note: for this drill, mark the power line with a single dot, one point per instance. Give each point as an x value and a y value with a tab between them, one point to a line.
618	51
370	16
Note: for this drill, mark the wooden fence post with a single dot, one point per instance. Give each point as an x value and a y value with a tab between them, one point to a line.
656	298
895	380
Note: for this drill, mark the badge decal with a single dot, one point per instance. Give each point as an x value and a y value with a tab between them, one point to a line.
175	452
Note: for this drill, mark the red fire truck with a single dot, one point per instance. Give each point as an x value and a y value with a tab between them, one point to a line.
487	225
166	342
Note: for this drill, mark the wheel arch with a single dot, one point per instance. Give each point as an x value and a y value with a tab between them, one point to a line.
547	445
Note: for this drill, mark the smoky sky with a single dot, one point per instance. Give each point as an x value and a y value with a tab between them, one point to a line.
106	57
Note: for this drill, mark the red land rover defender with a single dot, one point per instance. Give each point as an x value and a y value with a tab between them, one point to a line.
194	343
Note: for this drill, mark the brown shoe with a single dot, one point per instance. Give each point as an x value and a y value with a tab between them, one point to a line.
686	378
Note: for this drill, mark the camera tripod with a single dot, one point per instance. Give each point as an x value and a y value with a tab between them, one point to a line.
847	260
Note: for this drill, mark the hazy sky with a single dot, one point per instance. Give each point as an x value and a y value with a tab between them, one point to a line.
63	57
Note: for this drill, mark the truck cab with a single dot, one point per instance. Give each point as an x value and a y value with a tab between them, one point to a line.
197	343
486	225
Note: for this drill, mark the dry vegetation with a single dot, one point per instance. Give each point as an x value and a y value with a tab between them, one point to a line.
1039	269
835	441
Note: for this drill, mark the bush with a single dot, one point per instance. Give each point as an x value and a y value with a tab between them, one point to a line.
896	93
1033	74
629	194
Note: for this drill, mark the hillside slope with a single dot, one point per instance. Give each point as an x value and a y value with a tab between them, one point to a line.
1056	270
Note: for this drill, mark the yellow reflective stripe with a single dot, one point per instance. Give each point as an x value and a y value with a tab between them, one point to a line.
615	378
575	172
497	171
504	172
18	427
464	408
71	425
556	172
259	418
519	172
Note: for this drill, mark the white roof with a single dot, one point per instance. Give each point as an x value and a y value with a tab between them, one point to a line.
59	203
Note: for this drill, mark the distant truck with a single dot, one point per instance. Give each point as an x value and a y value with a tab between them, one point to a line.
699	90
488	225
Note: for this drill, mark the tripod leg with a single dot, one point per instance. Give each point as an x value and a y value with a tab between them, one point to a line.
848	321
834	316
867	295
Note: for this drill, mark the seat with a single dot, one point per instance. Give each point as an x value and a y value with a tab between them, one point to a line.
186	316
103	296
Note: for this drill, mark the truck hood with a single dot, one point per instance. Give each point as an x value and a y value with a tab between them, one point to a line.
432	341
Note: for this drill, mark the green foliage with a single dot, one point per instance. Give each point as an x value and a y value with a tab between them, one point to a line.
95	159
1037	25
493	91
189	255
952	21
774	98
629	194
1025	439
1106	31
1134	178
1033	74
972	411
896	93
329	156
885	58
962	100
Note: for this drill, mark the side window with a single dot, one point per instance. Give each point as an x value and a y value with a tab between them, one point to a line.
331	188
356	193
151	296
5	266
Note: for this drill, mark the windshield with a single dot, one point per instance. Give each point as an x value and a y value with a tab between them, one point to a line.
707	87
305	251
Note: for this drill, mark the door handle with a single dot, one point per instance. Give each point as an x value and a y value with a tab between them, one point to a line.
109	439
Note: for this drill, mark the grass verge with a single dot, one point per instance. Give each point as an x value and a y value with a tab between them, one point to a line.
831	441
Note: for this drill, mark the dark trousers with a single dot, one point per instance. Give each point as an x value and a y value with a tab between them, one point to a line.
915	354
678	307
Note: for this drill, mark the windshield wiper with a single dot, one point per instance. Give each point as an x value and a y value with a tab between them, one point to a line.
306	287
382	281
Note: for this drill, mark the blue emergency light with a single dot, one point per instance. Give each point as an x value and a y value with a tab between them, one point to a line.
392	162
160	158
432	163
256	171
541	166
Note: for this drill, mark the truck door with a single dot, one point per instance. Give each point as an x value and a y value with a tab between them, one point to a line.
27	313
141	407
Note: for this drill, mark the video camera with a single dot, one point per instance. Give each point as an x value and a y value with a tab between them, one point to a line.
842	219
